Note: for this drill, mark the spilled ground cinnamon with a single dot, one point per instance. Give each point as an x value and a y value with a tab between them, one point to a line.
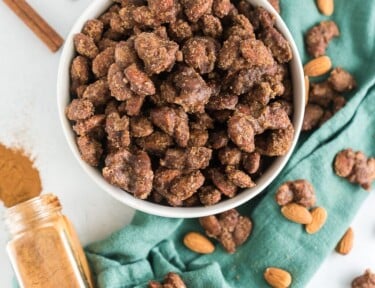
19	180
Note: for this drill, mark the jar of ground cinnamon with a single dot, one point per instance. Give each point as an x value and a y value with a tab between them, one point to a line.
44	249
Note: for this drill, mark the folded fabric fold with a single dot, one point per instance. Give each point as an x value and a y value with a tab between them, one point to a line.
151	246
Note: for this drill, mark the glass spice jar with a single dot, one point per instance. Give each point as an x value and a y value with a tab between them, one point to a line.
44	248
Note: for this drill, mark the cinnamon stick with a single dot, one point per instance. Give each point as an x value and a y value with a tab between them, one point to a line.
36	23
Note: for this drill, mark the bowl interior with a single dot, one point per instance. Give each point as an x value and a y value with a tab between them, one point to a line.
63	97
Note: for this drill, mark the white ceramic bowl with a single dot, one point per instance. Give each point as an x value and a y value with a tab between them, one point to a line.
63	98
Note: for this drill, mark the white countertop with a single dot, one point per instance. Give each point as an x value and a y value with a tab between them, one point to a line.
29	119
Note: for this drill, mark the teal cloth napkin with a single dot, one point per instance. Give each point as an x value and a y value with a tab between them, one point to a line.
152	246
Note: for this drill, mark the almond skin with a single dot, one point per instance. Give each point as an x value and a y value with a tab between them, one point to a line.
307	89
198	243
326	7
296	213
277	278
318	66
346	243
319	218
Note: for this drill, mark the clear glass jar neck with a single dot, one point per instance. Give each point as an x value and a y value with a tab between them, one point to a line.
29	213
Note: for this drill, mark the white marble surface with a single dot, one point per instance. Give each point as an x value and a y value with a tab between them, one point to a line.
28	118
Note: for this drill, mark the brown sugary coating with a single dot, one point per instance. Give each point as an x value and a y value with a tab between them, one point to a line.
139	82
156	13
211	26
91	150
156	143
180	30
164	118
313	114
218	139
239	178
174	158
278	45
80	70
163	179
177	80
198	137
85	46
97	92
202	121
117	129
341	80
171	280
222	8
338	103
275	142
222	183
198	158
193	92
299	191
209	195
251	162
256	53
355	167
321	94
200	53
105	43
174	280
140	126
275	4
222	101
102	62
186	185
195	9
230	156
192	201
148	45
229	228
79	109
367	280
172	121
92	126
245	79
118	84
241	132
242	230
133	106
131	172
326	116
125	53
193	158
319	36
94	29
211	225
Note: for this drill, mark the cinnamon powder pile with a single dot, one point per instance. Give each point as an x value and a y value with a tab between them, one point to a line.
19	180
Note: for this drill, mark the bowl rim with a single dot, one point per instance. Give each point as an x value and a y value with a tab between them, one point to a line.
95	9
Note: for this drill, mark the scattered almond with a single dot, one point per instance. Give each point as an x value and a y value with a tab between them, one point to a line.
198	243
296	213
318	66
307	89
346	243
325	7
319	217
277	278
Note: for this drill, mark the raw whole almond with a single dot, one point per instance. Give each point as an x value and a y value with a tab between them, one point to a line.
319	217
325	7
318	66
277	278
198	243
296	213
346	243
307	89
